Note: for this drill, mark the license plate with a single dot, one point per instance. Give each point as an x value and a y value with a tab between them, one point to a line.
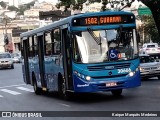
111	84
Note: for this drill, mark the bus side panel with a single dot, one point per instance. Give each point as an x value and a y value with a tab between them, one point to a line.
35	69
31	69
51	72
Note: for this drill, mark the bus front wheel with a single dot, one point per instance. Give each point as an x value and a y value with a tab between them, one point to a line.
62	89
117	92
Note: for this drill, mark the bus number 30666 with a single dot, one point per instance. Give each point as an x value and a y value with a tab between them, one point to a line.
124	70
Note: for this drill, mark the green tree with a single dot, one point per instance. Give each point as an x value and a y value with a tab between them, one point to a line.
28	6
13	8
21	10
25	7
78	4
151	29
154	5
3	4
148	29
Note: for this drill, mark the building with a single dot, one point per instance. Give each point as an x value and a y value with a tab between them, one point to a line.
21	2
94	7
10	14
33	13
3	31
12	2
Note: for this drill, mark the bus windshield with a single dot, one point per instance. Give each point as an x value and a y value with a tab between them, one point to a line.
105	45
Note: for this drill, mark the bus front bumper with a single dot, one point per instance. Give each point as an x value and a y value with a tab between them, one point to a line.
103	85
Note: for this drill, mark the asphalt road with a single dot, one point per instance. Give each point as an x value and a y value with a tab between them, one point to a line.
16	96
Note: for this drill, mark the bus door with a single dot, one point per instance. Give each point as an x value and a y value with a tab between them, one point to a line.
41	60
26	61
66	50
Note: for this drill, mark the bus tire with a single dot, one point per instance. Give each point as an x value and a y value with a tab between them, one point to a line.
37	90
158	77
117	93
62	89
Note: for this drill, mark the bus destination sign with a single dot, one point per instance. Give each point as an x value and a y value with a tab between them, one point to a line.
100	20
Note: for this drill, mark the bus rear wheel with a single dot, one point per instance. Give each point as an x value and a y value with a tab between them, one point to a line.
117	93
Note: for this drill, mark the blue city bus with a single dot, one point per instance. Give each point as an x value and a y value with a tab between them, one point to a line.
83	53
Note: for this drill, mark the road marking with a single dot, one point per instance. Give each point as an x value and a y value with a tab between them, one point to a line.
1	96
25	89
65	105
10	91
12	86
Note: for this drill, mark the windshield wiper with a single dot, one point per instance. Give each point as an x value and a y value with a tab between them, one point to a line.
98	40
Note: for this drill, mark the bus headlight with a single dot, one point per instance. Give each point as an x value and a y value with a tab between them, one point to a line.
88	78
79	75
131	74
82	76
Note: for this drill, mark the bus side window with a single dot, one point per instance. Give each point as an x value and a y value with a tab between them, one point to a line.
76	54
35	46
48	44
57	42
31	51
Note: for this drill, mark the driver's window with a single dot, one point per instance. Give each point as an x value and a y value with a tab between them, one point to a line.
76	54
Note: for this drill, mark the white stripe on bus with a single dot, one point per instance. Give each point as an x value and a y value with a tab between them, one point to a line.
10	91
25	89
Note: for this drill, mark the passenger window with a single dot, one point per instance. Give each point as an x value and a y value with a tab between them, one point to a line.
48	44
30	47
57	41
35	46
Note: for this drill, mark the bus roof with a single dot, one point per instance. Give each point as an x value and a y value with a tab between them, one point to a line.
68	20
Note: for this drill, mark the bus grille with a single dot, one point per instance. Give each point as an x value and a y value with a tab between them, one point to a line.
108	67
110	76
